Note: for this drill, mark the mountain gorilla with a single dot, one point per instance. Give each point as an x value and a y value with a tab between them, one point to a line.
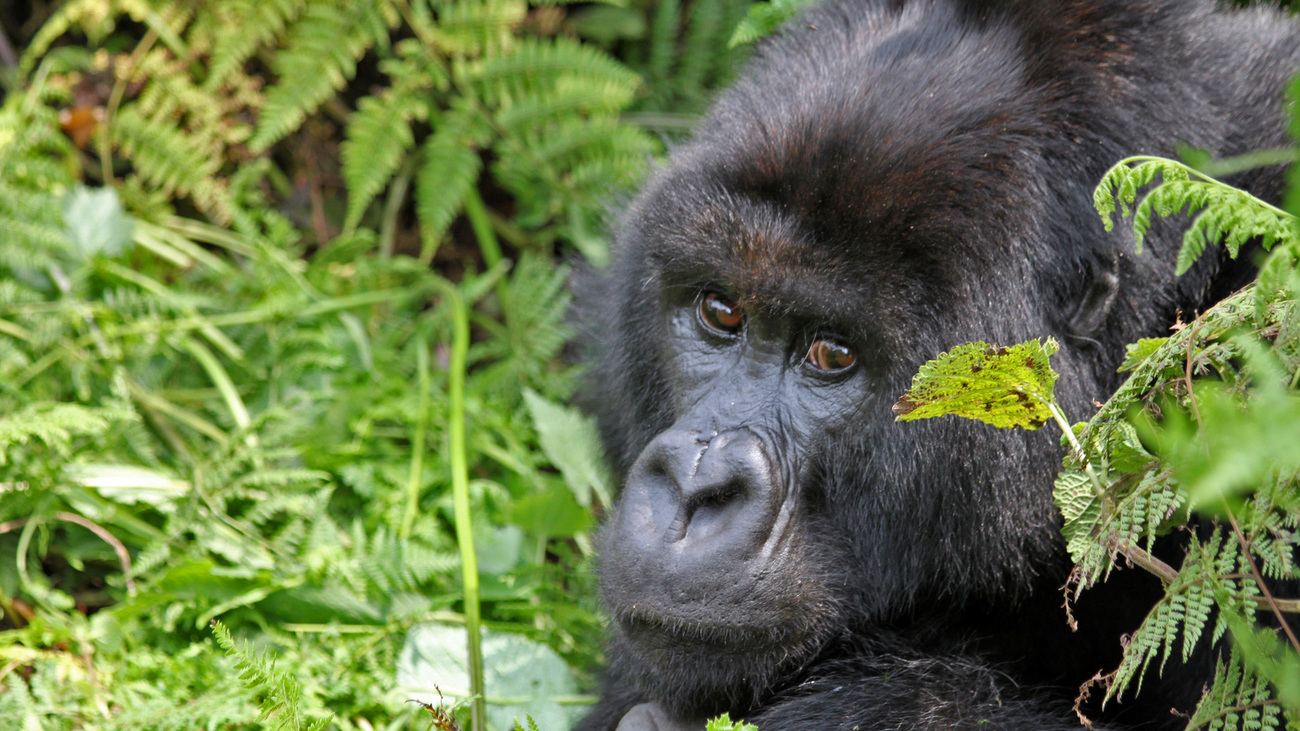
889	179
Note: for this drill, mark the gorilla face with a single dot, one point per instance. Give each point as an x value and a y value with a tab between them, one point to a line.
771	503
709	557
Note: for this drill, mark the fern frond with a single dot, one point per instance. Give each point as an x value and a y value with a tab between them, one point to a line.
1238	699
379	132
258	23
470	28
33	178
698	56
172	160
55	425
664	28
1220	213
282	692
535	64
449	170
89	15
321	54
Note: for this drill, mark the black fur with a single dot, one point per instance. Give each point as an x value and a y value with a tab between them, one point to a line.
906	175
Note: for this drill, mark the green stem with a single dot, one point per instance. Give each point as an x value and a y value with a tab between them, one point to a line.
1059	416
393	207
477	213
417	442
460	494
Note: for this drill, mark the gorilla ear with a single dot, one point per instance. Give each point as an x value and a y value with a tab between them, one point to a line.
1103	285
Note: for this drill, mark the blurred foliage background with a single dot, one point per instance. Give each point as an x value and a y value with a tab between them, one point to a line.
237	238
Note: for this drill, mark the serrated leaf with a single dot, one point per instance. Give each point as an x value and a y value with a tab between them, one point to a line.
1135	353
1004	387
1081	508
570	441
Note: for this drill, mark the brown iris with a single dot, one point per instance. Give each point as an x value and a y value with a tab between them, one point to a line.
720	315
828	355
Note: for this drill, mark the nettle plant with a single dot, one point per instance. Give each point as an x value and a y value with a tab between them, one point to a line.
1203	438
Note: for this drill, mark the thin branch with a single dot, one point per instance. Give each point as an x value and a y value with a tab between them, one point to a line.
1259	580
123	555
1143	559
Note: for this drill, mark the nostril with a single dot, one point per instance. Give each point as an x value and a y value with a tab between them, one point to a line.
716	497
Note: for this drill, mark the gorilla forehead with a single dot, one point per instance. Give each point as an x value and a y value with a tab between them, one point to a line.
812	189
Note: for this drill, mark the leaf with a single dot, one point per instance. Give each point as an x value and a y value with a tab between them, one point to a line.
1081	508
527	674
1126	451
724	723
1135	353
571	443
1005	387
95	222
764	18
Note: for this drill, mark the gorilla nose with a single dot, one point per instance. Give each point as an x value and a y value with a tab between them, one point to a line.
704	494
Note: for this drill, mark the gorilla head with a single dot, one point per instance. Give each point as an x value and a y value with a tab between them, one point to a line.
887	180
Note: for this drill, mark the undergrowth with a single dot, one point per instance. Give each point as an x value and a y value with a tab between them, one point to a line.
276	279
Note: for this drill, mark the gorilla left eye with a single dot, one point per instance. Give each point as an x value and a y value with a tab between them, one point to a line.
719	315
830	356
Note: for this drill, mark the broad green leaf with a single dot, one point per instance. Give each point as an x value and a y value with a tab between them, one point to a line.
1005	387
96	222
521	677
570	441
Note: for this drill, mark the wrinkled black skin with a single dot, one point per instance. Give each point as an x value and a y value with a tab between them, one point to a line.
903	177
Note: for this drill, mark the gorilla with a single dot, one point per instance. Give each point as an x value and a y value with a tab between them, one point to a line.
888	179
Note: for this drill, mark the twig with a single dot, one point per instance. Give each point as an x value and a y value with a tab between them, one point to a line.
1140	557
1259	580
7	55
123	555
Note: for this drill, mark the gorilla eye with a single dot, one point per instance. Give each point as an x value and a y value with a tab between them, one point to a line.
719	315
829	356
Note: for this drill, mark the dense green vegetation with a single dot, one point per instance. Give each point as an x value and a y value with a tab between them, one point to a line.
282	386
280	337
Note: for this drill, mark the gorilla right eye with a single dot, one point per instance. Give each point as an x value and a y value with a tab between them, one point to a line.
720	315
830	356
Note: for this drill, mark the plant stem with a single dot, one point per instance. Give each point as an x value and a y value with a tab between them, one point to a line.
460	494
417	441
1059	417
477	213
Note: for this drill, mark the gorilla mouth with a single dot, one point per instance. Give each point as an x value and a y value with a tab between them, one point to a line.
649	628
768	638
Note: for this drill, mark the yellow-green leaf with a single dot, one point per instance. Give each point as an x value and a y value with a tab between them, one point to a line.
1005	387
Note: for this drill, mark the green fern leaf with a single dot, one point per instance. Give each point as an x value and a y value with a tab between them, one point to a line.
377	137
448	171
258	22
172	160
320	56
